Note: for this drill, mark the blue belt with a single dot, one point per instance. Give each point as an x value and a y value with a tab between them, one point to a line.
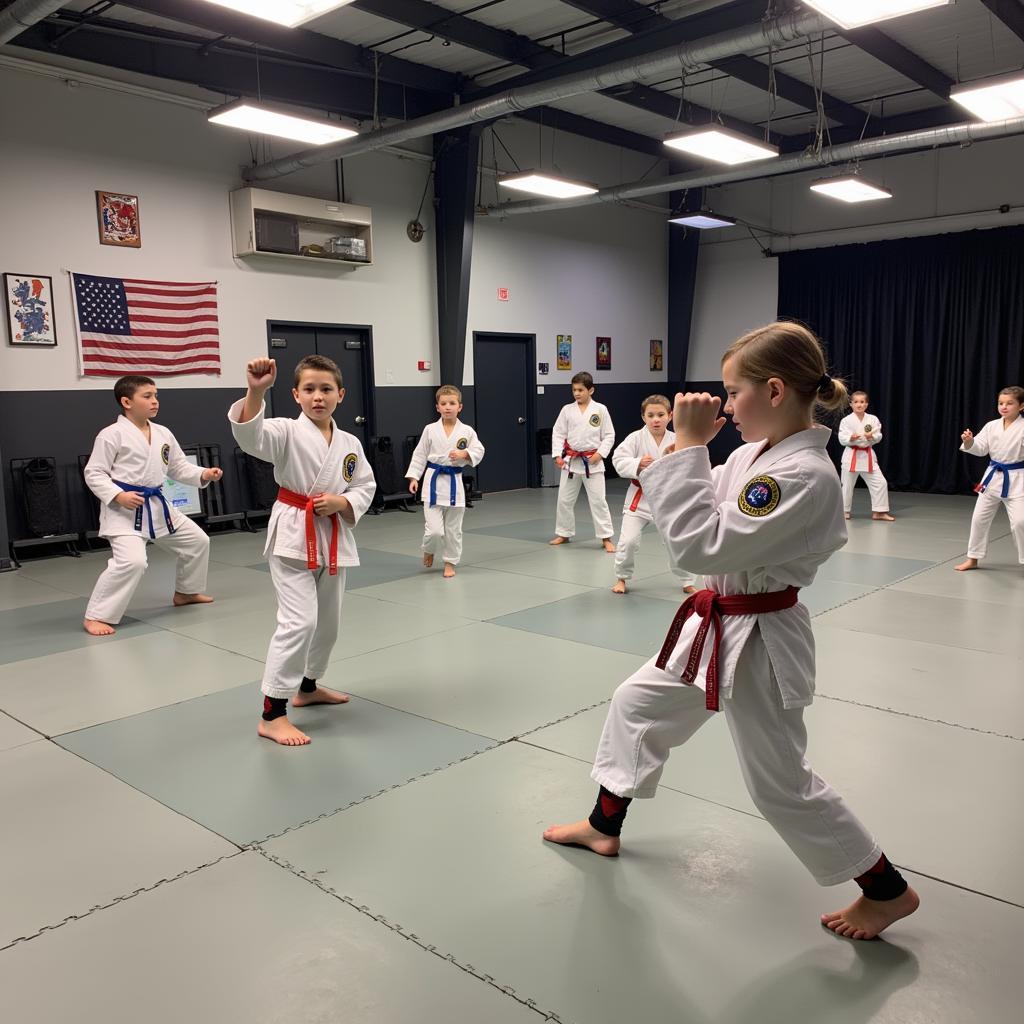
147	493
452	471
999	467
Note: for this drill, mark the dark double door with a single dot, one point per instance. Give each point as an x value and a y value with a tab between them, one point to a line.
349	347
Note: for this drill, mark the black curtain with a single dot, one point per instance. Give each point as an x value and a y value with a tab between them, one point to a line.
931	328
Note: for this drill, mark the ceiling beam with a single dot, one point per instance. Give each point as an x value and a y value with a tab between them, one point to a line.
1010	13
880	46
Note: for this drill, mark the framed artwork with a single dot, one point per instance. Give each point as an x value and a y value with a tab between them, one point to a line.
604	354
543	368
29	302
118	217
657	355
564	352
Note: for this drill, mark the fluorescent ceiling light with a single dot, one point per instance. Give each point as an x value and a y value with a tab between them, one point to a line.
703	219
263	120
995	99
547	185
851	189
284	12
722	146
855	13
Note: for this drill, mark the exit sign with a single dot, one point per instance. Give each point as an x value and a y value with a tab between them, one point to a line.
503	295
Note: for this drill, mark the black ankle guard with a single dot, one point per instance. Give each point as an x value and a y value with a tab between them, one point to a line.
609	812
274	707
882	882
307	685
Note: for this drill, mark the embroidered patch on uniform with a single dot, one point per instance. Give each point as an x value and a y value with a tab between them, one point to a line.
760	496
595	420
462	444
165	453
348	467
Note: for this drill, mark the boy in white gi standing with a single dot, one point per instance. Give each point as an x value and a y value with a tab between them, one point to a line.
1002	440
445	448
758	528
859	433
581	440
326	485
129	462
631	458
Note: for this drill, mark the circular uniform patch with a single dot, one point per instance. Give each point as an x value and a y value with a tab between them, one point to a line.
165	453
462	444
760	496
595	420
348	467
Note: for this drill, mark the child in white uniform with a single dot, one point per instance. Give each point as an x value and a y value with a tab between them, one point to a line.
1002	440
445	448
631	457
129	462
859	433
758	528
326	485
581	440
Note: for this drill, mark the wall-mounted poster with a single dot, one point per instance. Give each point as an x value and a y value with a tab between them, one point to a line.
29	299
118	216
183	497
564	351
657	355
604	354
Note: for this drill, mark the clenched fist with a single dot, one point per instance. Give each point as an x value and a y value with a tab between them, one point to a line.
260	374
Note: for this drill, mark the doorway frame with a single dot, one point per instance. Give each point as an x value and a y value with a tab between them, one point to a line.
530	341
368	382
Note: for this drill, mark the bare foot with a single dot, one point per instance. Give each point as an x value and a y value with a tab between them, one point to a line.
970	563
608	546
847	514
183	599
582	833
321	695
620	587
449	570
559	540
689	590
428	559
96	628
280	730
883	517
864	918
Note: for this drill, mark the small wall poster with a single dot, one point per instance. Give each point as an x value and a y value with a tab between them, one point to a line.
183	497
604	354
118	216
564	351
657	355
29	301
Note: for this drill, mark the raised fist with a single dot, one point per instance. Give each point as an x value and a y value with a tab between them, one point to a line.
260	374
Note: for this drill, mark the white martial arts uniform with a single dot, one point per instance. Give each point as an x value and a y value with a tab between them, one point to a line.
442	518
308	600
626	461
583	430
122	452
860	461
760	523
1005	447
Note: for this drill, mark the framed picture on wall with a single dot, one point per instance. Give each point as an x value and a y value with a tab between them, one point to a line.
563	352
657	355
29	303
118	217
604	354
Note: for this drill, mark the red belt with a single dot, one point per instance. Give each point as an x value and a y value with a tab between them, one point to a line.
711	607
306	502
853	461
635	503
568	454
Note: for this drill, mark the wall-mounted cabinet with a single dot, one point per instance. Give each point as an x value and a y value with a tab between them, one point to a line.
281	226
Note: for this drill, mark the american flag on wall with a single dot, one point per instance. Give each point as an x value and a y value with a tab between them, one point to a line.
126	325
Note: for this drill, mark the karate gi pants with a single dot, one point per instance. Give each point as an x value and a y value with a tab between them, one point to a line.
442	528
117	583
984	512
652	712
877	485
633	526
568	492
308	619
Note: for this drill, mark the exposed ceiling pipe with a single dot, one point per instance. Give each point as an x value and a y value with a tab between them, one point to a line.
930	138
23	14
775	32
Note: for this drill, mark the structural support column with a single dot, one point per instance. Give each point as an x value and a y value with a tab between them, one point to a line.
455	163
683	244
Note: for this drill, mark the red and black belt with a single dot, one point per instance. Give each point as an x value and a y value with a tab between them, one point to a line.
711	606
305	502
568	454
